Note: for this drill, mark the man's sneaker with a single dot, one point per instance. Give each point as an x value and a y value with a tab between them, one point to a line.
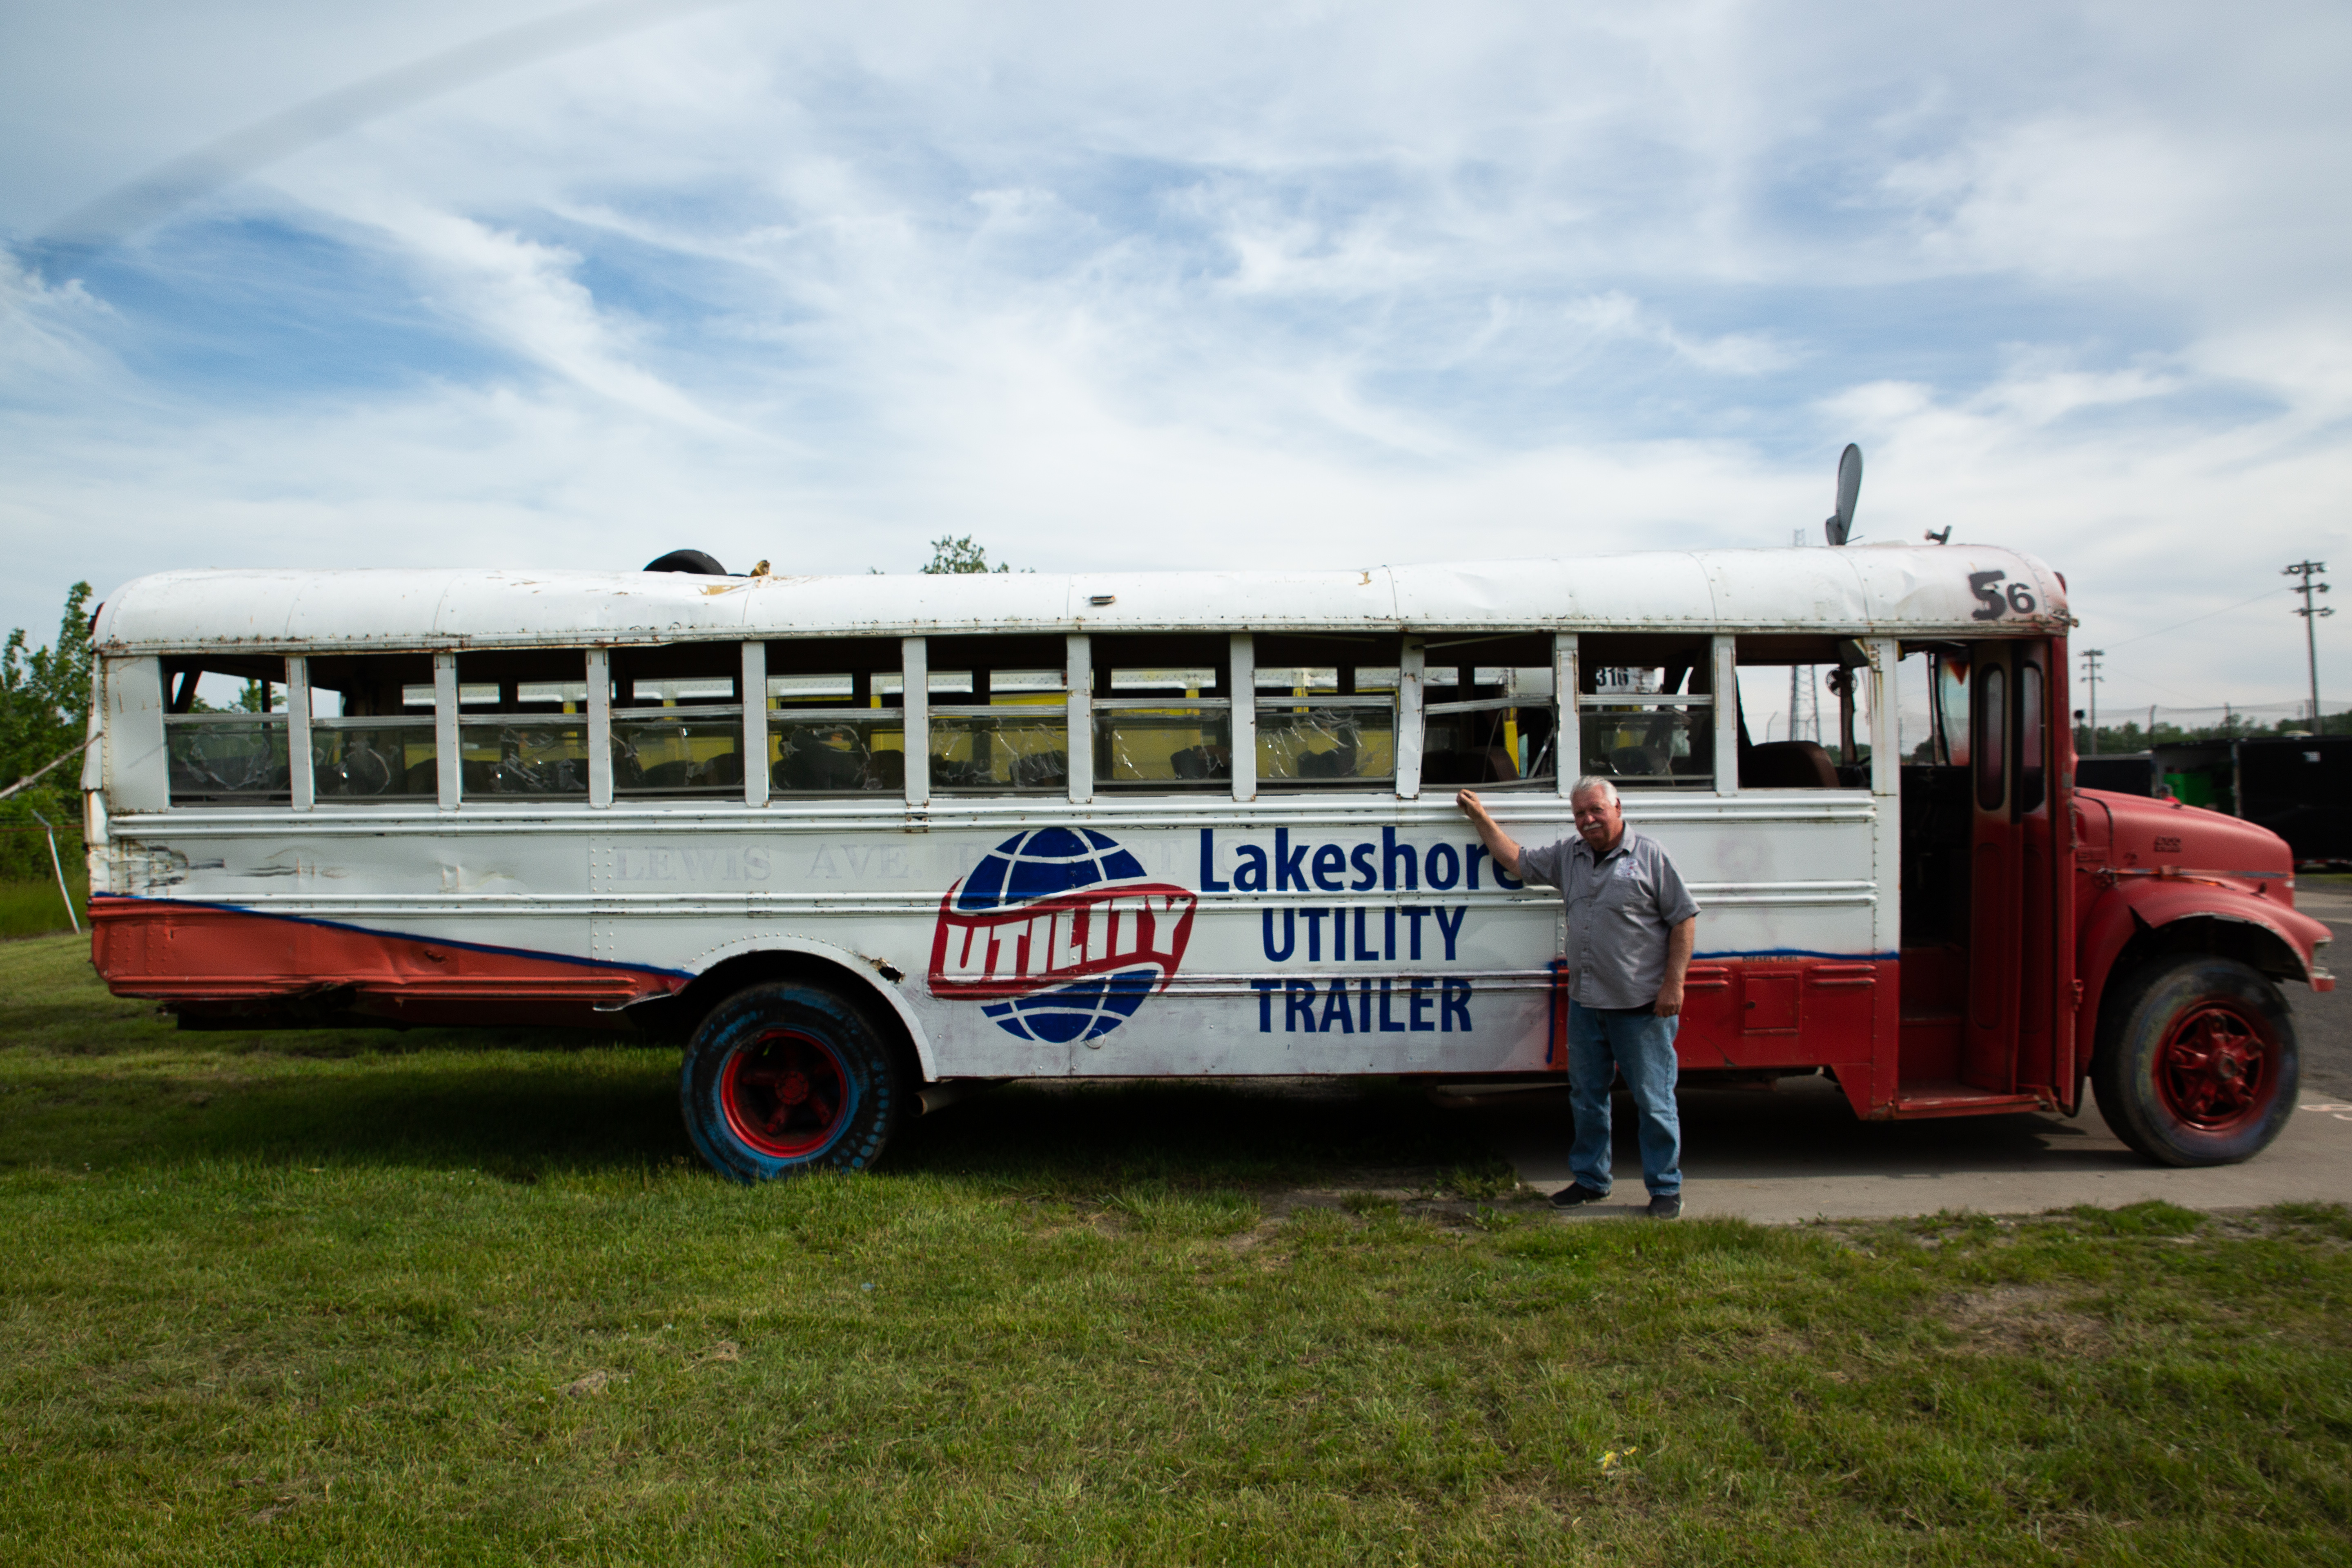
1575	1194
1665	1206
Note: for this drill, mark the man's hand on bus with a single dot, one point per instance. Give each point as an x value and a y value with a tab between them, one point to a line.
1681	943
1490	833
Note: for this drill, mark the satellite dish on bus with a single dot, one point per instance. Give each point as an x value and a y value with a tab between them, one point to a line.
1839	524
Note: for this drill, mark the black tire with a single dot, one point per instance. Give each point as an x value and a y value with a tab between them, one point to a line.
691	561
2197	1063
785	1077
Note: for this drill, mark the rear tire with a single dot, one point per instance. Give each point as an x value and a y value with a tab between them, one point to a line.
785	1077
2197	1064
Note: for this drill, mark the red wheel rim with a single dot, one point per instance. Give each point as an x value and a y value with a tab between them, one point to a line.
2217	1067
784	1094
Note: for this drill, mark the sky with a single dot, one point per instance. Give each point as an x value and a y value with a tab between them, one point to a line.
513	283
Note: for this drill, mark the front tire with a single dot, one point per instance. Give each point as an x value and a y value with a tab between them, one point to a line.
2198	1066
785	1077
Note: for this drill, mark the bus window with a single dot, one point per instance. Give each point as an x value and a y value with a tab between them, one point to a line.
835	721
2029	736
1488	711
1163	712
1935	830
1992	735
1326	711
522	724
677	720
225	730
371	734
1912	691
1801	713
1950	687
1645	715
1000	714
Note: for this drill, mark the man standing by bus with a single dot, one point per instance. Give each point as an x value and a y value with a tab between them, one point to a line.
1631	927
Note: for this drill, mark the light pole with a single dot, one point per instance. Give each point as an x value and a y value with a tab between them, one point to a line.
2091	678
2308	572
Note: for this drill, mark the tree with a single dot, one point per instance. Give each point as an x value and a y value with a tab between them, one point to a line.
45	691
44	713
955	557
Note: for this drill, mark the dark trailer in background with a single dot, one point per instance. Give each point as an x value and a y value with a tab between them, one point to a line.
2298	786
2128	772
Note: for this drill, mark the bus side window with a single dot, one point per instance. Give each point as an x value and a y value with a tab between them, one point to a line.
1802	719
522	724
1645	709
1000	714
225	730
836	716
1951	695
372	735
1163	709
2030	742
1992	735
1487	710
1326	710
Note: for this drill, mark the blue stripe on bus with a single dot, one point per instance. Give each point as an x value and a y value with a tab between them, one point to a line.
1799	952
690	974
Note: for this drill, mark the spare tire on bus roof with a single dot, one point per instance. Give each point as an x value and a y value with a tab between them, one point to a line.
695	562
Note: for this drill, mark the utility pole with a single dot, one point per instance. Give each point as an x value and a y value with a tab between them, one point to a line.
2091	678
2308	573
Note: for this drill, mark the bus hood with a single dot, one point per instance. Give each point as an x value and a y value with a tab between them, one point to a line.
2166	837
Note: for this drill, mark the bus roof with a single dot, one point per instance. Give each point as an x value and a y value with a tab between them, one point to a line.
1957	591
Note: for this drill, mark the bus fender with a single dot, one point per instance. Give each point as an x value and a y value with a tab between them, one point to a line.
2280	941
878	976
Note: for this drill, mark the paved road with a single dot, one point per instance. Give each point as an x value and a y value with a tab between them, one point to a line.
1797	1152
2323	1023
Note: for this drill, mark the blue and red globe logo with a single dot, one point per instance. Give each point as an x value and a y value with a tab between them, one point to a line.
1061	933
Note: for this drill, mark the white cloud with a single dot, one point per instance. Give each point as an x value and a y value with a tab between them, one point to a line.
1620	315
524	295
1298	283
46	343
2069	198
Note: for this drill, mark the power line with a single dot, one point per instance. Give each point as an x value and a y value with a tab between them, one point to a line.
2193	620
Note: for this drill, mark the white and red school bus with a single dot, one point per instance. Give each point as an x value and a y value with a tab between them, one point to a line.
864	839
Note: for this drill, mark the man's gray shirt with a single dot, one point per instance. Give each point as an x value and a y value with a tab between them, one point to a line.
1619	912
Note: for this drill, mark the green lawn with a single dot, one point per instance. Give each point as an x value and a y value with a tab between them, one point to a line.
35	908
460	1298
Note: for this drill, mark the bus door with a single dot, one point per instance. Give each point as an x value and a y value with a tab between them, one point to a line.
2020	963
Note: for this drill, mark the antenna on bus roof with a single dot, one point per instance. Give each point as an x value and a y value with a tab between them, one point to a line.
1839	525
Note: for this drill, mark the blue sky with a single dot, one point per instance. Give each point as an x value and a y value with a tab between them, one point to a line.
1305	284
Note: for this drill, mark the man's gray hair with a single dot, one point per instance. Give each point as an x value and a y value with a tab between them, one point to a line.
1593	783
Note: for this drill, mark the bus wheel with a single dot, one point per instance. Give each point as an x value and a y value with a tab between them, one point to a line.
2197	1065
785	1077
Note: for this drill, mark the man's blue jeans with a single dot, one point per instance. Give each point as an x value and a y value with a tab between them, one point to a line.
1642	1044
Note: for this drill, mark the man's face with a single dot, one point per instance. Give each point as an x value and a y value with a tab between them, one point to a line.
1597	818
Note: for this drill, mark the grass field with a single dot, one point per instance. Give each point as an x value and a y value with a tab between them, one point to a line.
366	1297
35	908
